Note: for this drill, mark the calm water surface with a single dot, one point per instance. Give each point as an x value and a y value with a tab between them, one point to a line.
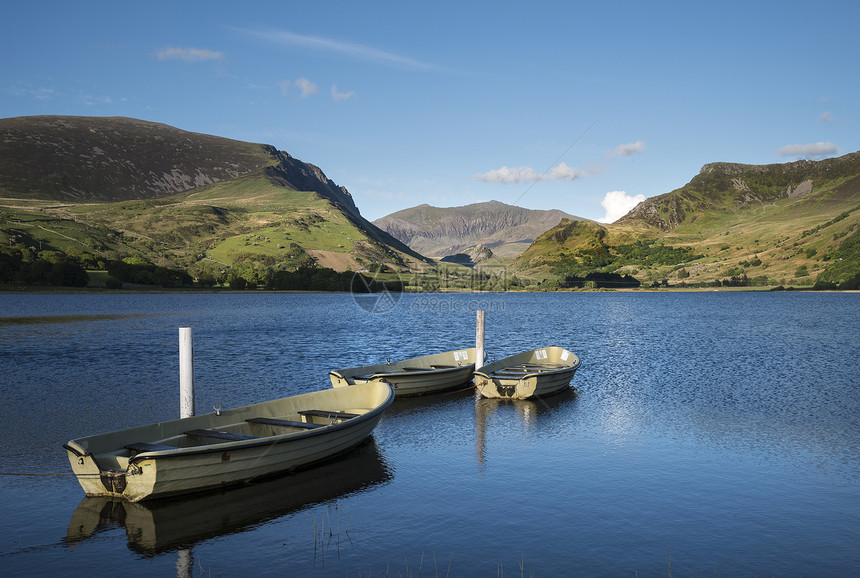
719	431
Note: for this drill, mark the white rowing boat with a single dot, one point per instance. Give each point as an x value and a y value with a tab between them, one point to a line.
227	447
530	374
416	376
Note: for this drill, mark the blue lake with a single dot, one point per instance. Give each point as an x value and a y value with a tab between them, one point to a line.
705	434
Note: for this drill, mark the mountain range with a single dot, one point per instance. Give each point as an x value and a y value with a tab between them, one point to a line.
101	189
505	230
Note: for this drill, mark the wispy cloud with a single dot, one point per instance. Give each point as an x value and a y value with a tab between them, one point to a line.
617	204
508	175
91	100
305	86
811	150
24	90
560	172
348	49
340	95
188	54
29	91
825	117
628	150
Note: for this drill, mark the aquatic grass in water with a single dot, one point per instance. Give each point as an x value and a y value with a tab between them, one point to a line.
33	320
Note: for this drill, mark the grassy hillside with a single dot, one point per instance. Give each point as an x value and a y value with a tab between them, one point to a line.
102	189
249	222
788	224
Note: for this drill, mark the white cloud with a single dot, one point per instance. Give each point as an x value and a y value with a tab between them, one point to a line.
340	95
357	51
560	172
617	204
811	150
508	175
564	172
825	117
307	87
628	150
188	54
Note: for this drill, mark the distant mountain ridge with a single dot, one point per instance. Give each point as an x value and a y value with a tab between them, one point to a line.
439	232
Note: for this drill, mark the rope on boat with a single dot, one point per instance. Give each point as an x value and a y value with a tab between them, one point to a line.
459	390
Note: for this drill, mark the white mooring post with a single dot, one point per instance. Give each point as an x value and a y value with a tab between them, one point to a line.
186	373
479	341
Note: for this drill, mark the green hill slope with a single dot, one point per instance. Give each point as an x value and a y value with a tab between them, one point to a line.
742	224
101	189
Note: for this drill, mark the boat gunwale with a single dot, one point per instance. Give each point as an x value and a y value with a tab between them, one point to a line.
401	374
377	370
527	375
265	440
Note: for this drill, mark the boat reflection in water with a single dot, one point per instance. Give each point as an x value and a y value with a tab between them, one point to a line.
528	414
172	524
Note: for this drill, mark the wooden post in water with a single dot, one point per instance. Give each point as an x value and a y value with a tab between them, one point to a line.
186	373
479	341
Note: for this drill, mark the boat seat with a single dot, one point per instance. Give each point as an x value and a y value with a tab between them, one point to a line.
140	447
401	371
327	414
284	422
545	365
220	435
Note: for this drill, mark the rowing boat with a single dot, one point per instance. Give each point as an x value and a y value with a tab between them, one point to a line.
530	374
227	447
157	526
416	376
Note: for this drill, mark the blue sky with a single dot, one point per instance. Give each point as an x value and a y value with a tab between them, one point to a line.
583	107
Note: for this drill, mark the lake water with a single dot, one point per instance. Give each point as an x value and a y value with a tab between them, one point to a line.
705	434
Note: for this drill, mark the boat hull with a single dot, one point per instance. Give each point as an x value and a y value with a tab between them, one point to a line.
418	376
536	373
104	467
